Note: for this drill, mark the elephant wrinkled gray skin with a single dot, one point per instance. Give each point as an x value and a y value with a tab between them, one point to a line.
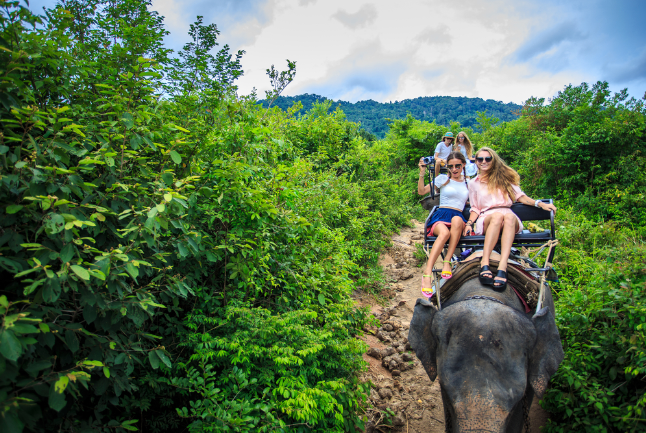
488	357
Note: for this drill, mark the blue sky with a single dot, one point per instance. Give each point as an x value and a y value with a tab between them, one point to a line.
506	50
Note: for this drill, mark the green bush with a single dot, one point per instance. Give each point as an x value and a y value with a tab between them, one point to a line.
601	317
174	262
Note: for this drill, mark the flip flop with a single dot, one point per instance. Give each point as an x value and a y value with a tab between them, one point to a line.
447	274
427	291
500	285
485	281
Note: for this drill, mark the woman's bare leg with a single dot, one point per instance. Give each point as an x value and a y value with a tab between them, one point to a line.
438	164
442	232
509	229
491	227
457	226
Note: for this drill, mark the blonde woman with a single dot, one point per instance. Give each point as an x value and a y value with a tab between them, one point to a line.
463	145
491	195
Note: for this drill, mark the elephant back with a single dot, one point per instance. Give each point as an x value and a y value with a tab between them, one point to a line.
465	277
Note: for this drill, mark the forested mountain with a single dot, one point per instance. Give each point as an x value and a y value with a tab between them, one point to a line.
374	115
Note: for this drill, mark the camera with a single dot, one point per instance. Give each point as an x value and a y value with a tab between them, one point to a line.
429	160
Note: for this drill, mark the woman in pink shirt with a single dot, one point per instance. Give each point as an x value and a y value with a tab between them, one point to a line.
491	195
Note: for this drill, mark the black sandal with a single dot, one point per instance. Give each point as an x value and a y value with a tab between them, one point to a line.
485	281
498	284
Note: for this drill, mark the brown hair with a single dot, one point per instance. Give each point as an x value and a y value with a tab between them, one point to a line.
500	177
457	155
467	143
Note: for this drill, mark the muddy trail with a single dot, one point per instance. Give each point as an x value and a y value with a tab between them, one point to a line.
402	397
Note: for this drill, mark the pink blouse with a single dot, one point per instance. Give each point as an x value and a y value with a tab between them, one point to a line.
482	200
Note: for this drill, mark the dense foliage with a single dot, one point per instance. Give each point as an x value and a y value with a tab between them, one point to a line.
375	116
586	147
172	255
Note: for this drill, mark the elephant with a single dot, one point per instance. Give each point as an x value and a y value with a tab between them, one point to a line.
490	357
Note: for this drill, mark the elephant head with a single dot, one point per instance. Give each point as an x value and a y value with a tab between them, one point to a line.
490	358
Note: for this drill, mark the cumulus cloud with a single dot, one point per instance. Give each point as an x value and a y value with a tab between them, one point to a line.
546	40
435	35
367	72
361	18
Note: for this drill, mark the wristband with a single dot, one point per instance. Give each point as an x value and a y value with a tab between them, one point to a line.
536	203
469	223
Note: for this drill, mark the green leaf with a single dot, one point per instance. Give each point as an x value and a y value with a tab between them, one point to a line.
154	359
175	157
163	357
61	384
321	299
13	208
183	251
10	346
127	120
71	340
81	272
106	372
132	270
10	423
168	196
67	253
167	178
54	224
56	399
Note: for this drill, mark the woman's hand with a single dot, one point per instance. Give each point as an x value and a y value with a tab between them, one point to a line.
422	166
467	230
547	206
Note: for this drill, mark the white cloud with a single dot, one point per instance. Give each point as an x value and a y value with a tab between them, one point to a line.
506	50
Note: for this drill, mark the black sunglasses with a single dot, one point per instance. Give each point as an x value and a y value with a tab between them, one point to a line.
485	158
458	166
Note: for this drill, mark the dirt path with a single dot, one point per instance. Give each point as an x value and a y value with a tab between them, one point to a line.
403	397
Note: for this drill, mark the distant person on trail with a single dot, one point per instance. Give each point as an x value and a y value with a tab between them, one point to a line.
447	222
463	145
442	151
491	195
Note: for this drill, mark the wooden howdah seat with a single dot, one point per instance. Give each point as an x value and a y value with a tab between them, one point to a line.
524	212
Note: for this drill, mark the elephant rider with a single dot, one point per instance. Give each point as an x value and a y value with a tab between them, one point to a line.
491	195
447	222
442	151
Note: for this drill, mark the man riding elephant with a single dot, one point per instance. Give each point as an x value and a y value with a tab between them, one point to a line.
491	357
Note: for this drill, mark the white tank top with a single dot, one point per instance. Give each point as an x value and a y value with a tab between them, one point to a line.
454	194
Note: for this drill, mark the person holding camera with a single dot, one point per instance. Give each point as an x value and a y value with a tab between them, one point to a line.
447	222
442	151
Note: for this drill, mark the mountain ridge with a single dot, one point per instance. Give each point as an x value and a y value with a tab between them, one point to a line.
374	115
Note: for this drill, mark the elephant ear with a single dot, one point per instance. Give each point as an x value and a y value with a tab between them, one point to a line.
547	353
421	338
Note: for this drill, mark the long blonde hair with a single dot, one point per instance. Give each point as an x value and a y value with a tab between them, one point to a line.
467	144
500	176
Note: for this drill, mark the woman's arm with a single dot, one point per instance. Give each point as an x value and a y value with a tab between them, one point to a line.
421	188
468	227
531	202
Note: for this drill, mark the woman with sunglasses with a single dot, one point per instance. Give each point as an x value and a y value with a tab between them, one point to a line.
463	145
491	195
447	222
